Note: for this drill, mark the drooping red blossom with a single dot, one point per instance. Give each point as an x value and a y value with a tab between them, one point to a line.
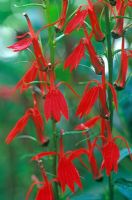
114	94
110	150
99	36
35	115
67	174
55	105
77	21
88	100
117	31
103	102
38	121
121	79
95	60
44	188
74	58
36	46
45	192
28	77
111	155
23	44
62	18
92	160
19	127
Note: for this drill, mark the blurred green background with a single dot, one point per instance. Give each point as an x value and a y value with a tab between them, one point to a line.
16	168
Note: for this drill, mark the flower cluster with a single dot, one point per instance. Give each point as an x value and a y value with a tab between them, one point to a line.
55	105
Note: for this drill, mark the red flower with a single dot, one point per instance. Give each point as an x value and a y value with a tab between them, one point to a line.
117	31
20	125
95	60
62	18
76	21
29	76
44	190
74	58
67	174
110	150
92	160
99	36
26	42
121	80
111	155
55	105
88	100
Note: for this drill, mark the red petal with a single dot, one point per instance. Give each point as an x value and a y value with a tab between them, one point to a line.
29	76
111	155
113	91
76	21
45	192
99	36
21	45
63	105
63	14
74	58
18	127
38	120
88	100
88	124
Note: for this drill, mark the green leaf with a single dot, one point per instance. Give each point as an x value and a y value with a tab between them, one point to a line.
124	153
124	186
27	137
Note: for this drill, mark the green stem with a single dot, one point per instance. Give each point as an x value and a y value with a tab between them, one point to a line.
55	147
52	60
50	33
110	60
110	68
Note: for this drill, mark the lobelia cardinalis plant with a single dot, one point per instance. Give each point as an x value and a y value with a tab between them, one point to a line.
103	92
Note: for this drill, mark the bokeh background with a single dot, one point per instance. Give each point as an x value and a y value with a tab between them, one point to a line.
16	168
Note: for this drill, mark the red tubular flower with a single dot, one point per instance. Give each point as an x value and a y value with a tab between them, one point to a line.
62	18
103	102
88	100
76	21
92	160
67	174
36	46
99	36
55	105
74	58
26	42
45	190
111	155
29	76
117	31
121	80
20	125
110	150
95	60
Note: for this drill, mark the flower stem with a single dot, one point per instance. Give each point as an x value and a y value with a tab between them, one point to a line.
50	33
56	191
110	69
52	60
